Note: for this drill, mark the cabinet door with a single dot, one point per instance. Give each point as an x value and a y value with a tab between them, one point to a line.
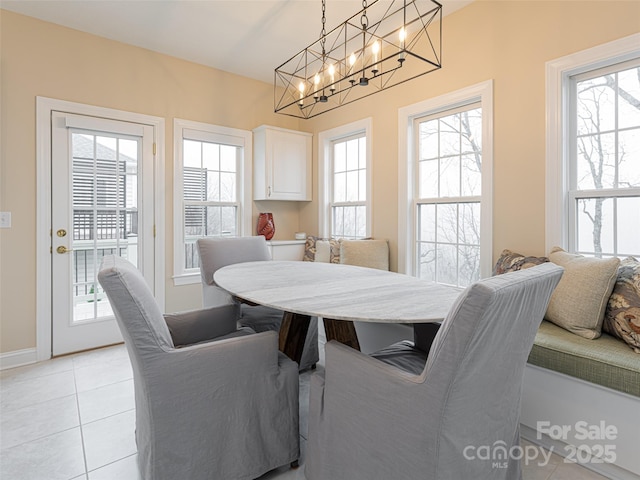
288	170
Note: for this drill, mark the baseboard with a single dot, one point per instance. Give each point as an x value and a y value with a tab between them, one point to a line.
609	470
18	358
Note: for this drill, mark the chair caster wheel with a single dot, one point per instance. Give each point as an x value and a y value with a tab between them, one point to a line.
313	367
295	464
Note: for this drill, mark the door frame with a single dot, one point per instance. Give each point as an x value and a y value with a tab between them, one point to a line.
44	107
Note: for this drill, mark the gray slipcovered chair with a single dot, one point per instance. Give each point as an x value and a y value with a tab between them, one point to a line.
215	253
211	401
373	420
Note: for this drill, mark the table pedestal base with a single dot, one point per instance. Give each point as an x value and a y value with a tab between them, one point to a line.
343	331
293	333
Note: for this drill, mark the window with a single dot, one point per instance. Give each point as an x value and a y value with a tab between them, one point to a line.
345	182
449	158
349	188
210	188
446	200
604	183
593	150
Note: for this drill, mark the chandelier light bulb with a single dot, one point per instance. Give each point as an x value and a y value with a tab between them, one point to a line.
332	72
352	59
375	48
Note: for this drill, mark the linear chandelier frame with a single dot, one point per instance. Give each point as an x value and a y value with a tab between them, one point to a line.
387	43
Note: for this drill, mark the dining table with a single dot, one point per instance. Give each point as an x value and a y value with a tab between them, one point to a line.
339	294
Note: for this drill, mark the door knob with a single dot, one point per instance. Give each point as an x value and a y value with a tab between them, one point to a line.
63	249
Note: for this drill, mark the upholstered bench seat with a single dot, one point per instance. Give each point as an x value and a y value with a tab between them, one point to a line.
605	361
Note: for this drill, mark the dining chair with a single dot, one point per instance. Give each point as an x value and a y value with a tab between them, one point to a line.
411	414
212	401
218	252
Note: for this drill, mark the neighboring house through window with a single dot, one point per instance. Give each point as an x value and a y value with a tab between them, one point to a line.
212	165
445	191
345	183
593	151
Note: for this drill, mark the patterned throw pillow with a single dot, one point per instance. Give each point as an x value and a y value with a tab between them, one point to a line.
622	316
510	262
318	249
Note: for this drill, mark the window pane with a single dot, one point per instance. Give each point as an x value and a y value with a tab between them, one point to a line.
213	186
194	184
469	269
105	148
469	228
450	135
447	223
228	219
338	221
362	151
447	267
628	92
596	161
427	219
428	173
211	156
595	226
628	221
194	221
450	177
361	222
339	157
362	186
192	154
426	252
353	179
428	140
213	225
353	157
471	130
228	157
349	229
629	158
471	176
596	105
340	187
227	187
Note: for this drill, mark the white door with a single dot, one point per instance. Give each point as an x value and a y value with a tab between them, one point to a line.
102	204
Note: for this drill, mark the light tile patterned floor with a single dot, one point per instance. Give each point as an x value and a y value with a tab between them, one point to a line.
73	418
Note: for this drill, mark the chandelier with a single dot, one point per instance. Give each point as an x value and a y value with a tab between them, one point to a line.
385	44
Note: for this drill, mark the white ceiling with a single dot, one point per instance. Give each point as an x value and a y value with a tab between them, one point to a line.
247	37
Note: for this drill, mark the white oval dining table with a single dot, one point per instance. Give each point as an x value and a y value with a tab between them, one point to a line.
340	294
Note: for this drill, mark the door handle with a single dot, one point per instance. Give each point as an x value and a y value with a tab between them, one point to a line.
63	249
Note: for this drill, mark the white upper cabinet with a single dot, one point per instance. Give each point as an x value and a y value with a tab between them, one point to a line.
281	164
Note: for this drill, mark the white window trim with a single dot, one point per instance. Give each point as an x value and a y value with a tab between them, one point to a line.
558	73
44	108
325	140
244	190
483	93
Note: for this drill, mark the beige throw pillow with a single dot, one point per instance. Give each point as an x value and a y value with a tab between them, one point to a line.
365	253
579	301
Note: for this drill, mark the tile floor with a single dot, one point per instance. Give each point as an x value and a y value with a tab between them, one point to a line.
73	418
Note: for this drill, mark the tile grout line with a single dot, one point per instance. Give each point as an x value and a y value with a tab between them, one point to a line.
84	450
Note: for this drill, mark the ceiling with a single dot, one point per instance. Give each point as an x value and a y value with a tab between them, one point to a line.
246	37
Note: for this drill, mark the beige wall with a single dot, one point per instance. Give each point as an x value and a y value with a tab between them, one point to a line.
507	41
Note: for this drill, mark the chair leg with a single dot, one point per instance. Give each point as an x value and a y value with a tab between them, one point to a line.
313	367
295	464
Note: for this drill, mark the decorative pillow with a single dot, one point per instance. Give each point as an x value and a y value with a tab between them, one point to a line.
318	249
365	253
622	316
510	262
579	301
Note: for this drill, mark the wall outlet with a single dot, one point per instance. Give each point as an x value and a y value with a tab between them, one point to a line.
5	219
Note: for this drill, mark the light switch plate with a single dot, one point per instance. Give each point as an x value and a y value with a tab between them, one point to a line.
5	219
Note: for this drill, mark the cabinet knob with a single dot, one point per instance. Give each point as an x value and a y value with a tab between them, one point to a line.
269	191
